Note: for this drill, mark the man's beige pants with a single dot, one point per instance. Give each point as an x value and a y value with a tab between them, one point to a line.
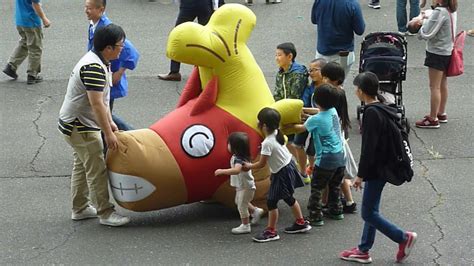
89	174
30	45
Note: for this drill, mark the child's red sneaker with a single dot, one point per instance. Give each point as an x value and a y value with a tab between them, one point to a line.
405	248
356	255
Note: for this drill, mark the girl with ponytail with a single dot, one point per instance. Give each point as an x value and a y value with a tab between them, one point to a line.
284	176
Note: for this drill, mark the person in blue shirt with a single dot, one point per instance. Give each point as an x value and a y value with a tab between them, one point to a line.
325	130
28	17
95	11
337	21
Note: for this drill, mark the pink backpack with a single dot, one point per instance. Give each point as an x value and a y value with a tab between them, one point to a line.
456	63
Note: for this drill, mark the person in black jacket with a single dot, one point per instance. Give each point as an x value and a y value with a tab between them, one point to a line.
188	11
373	156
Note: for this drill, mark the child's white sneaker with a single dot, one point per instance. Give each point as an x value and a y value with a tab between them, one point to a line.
241	229
256	215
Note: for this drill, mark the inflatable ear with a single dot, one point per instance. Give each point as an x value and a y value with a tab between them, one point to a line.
241	24
290	112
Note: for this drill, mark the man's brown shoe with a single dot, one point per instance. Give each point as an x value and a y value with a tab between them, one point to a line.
170	76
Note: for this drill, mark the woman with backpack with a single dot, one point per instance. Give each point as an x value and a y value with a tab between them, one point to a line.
375	153
439	30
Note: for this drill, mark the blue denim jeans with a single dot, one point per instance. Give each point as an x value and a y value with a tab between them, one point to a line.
121	124
373	219
402	13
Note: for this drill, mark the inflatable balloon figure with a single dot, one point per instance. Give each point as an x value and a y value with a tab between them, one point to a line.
173	162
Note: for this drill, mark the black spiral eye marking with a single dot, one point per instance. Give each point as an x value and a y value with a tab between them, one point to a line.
197	141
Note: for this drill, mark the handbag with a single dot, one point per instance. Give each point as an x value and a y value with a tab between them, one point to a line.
456	63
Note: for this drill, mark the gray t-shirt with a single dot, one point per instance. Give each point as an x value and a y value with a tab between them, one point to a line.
437	30
244	180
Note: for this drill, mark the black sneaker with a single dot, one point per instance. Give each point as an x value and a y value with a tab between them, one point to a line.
325	209
266	236
350	209
316	221
298	228
8	70
333	216
33	80
374	5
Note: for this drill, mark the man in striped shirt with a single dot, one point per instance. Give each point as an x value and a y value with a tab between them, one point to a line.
83	115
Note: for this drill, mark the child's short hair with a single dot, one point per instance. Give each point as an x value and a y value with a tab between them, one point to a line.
288	48
325	96
322	62
334	72
239	144
368	82
413	26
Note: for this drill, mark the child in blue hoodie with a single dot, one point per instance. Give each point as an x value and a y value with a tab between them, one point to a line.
291	80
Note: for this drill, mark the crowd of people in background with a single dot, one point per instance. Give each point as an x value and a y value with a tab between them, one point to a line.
87	112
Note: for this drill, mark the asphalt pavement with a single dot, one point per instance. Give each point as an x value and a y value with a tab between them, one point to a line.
35	162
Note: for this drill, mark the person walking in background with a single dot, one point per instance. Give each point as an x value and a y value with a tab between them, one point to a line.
402	14
439	31
250	2
83	115
95	12
188	11
28	17
375	4
337	21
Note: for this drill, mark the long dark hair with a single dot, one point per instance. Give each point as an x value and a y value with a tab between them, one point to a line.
271	119
452	5
342	109
239	145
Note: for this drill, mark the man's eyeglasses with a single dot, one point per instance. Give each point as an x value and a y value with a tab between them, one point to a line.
314	69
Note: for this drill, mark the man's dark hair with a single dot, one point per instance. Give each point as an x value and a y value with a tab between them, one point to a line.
334	72
100	3
108	35
288	48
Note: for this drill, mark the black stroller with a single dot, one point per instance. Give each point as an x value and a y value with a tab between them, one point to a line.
385	54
